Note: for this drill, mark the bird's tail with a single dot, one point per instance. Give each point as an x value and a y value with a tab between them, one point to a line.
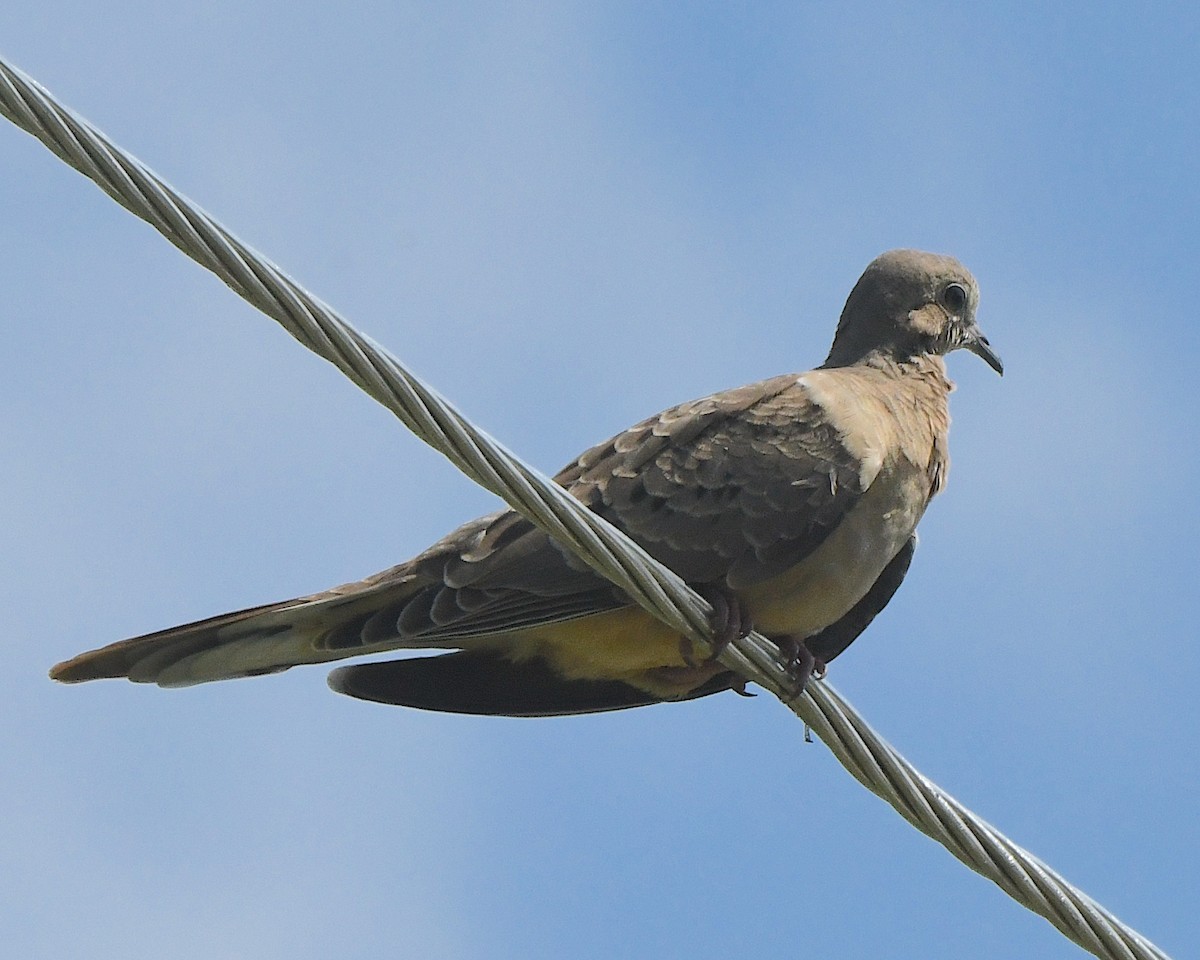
343	622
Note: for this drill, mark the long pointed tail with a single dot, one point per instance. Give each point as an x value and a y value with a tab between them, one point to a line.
343	622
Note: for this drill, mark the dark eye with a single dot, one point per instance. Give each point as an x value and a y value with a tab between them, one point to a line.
954	297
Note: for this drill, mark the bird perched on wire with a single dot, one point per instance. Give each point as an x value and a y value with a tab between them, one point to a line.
791	503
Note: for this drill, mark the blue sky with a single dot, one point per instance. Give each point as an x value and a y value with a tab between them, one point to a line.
566	217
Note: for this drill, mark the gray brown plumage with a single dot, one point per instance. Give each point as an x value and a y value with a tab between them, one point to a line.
797	497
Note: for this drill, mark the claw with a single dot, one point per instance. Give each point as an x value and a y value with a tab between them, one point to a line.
729	620
802	665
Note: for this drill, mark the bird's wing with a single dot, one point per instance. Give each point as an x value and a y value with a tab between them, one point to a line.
484	682
733	489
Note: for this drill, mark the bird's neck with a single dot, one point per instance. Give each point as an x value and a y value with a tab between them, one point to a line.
914	390
927	367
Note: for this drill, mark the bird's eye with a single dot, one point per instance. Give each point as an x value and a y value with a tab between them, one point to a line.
954	297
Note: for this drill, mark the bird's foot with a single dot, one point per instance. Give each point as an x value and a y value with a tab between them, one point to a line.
801	664
729	622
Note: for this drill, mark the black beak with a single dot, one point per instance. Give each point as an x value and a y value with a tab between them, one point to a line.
978	344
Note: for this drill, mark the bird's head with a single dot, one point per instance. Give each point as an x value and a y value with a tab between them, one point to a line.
907	304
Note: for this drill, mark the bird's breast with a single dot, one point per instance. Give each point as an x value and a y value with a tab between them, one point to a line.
823	587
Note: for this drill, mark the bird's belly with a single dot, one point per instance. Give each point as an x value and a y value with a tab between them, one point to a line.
828	582
618	644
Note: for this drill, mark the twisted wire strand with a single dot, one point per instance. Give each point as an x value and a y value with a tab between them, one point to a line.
865	754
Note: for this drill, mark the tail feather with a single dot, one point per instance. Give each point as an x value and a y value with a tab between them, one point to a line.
258	640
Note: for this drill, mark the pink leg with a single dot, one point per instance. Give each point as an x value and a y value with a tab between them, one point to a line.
730	622
801	663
